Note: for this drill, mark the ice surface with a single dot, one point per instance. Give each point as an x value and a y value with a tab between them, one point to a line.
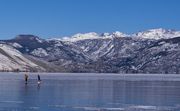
89	92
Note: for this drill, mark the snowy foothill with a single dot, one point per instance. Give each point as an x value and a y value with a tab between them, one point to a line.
12	59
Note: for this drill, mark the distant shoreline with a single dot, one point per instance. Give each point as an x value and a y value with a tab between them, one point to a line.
89	73
96	76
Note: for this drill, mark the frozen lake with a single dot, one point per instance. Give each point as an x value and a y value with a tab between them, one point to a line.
90	92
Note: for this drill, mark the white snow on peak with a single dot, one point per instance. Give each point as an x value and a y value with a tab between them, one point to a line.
80	36
86	35
106	34
93	35
114	34
149	34
157	34
120	34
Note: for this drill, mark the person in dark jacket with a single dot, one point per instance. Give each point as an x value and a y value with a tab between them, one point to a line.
39	79
26	78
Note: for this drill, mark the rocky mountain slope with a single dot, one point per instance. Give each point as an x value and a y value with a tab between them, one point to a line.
13	60
151	51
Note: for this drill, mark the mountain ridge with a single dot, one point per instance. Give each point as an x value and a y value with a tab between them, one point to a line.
152	51
159	33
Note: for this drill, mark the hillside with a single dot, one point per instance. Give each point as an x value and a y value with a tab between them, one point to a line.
151	51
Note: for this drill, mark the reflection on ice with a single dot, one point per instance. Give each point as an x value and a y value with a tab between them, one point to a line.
75	92
129	108
12	102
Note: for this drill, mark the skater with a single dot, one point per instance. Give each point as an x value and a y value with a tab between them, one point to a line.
39	79
26	78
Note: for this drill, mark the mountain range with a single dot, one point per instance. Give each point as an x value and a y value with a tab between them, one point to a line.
151	51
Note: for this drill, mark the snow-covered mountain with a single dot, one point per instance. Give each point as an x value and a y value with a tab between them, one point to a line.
79	36
13	60
148	34
152	51
157	34
92	35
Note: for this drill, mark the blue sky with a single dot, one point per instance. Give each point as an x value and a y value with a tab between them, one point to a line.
56	18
